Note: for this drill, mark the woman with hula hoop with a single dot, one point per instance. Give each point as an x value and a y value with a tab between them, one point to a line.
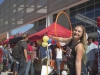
77	45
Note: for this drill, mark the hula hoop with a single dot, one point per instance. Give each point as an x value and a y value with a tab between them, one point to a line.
62	12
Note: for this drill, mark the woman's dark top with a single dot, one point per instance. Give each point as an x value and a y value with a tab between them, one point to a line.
71	55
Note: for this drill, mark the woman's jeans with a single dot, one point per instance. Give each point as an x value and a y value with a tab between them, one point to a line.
10	63
73	72
58	61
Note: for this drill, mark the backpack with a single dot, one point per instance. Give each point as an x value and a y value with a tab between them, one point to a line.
17	51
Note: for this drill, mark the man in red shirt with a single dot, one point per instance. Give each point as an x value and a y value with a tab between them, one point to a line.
29	58
1	59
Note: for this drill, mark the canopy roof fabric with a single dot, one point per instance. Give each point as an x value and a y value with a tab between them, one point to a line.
7	40
50	30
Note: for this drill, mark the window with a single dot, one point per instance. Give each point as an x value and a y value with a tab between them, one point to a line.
95	29
54	17
42	24
89	2
72	14
90	8
73	25
96	1
73	20
97	6
97	13
81	23
73	8
90	14
90	29
81	5
81	11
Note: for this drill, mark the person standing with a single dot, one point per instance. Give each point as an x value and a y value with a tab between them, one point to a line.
58	58
33	58
44	54
10	59
29	58
24	59
92	50
77	46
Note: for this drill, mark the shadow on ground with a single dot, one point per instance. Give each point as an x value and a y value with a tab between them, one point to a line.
10	74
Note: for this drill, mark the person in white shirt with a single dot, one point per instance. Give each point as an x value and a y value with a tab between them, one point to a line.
90	53
59	57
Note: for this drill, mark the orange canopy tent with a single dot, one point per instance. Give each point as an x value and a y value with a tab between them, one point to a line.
50	30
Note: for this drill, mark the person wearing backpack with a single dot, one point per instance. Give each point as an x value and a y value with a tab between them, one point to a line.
24	58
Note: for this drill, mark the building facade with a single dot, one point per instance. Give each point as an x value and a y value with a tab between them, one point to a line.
83	14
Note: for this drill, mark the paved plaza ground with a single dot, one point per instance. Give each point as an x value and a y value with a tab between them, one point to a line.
7	73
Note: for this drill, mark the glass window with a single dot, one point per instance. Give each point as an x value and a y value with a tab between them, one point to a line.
73	25
87	25
97	13
44	19
90	8
81	11
55	15
40	20
90	29
72	14
90	14
81	23
97	1
89	2
73	8
81	5
44	23
97	6
54	19
95	29
73	20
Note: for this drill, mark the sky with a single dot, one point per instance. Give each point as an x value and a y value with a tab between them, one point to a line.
20	29
1	1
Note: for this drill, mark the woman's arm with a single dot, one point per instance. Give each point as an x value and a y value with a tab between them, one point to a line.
60	39
79	56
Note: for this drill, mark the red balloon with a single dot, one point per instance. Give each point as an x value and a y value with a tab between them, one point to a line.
53	42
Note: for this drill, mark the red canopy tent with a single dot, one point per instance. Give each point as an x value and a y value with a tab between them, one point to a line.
7	40
50	30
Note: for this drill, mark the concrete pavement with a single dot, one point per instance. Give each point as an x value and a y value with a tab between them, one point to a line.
7	73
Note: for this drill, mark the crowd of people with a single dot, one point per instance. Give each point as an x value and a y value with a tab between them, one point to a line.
81	55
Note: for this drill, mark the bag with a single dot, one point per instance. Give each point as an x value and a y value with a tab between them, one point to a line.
44	70
17	51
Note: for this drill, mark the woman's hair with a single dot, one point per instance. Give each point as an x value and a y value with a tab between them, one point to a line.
84	42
